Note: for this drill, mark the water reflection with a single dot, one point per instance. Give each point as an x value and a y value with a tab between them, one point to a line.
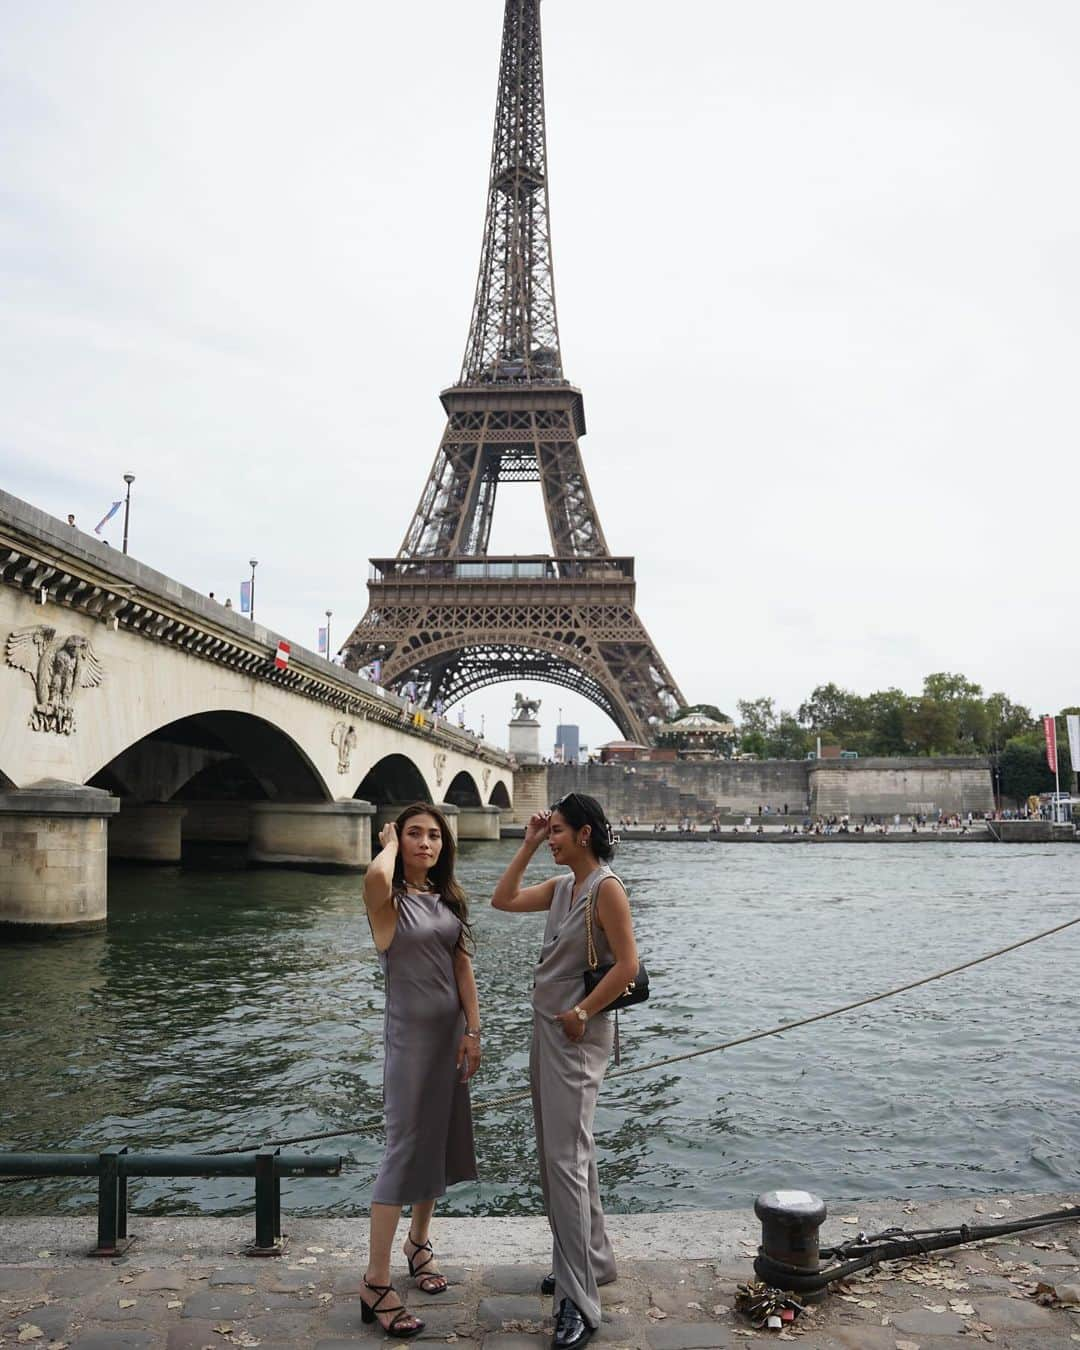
224	1006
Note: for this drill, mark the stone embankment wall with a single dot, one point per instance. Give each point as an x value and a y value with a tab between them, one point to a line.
652	792
885	787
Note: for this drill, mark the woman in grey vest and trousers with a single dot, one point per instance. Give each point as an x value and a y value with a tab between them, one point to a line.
571	1042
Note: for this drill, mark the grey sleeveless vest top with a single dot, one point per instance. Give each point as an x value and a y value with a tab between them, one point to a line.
558	981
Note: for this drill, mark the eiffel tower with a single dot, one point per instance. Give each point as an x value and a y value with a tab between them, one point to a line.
444	615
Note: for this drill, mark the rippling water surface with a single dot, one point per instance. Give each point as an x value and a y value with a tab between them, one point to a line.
223	1006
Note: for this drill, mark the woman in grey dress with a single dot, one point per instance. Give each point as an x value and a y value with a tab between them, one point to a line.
419	920
571	1042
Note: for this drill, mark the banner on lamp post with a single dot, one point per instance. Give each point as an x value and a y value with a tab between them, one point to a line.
1050	732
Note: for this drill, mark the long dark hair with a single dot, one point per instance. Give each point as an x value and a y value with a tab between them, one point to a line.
441	876
578	810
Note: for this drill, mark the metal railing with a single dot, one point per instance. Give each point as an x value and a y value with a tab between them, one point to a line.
113	1166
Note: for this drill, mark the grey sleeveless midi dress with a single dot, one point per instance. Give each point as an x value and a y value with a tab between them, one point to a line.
565	1078
429	1134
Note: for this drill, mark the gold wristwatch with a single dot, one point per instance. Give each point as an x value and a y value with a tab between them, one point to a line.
582	1015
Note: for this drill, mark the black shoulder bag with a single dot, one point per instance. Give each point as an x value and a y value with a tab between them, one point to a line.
636	991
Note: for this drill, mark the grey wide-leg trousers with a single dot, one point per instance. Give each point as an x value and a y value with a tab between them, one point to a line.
565	1077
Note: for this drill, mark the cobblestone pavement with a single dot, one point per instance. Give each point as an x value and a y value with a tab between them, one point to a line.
176	1293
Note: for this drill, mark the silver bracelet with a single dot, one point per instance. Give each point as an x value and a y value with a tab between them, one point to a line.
474	1035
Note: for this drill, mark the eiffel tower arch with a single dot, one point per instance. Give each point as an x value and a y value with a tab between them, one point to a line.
444	614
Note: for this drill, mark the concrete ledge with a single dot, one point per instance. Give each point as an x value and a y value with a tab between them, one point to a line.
50	797
333	836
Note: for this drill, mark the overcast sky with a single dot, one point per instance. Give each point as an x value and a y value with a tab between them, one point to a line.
817	273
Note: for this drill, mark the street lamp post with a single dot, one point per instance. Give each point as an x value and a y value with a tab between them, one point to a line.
254	563
129	478
329	649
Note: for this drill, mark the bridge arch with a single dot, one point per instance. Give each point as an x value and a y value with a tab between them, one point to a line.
393	780
561	659
217	756
500	797
463	790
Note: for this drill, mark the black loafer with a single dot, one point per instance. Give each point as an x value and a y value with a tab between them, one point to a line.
571	1329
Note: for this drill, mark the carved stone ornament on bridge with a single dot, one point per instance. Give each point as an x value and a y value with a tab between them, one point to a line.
58	669
439	759
344	737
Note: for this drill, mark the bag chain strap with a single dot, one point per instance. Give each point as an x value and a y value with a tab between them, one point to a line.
590	944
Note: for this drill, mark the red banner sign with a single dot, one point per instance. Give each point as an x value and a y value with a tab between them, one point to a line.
281	660
1050	732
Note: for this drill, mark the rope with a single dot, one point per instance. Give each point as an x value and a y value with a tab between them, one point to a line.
512	1098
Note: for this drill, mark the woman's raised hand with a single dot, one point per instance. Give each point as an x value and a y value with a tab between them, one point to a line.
537	828
388	834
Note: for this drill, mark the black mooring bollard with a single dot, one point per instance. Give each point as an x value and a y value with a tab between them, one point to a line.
789	1254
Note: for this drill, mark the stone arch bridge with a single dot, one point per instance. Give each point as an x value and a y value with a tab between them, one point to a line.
136	714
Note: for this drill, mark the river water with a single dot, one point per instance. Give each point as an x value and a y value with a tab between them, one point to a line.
223	1006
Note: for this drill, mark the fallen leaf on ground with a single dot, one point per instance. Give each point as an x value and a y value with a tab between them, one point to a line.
223	1328
720	1309
125	1303
657	1314
907	1345
317	1250
936	1307
961	1308
29	1332
174	1303
695	1305
849	1218
308	1261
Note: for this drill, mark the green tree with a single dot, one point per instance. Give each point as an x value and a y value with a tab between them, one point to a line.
931	727
829	708
887	711
788	740
946	688
1005	720
756	715
1023	770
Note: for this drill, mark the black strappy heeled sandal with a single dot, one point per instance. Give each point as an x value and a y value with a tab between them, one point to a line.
370	1311
417	1271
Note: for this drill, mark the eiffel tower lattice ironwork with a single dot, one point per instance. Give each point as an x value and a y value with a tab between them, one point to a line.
445	615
